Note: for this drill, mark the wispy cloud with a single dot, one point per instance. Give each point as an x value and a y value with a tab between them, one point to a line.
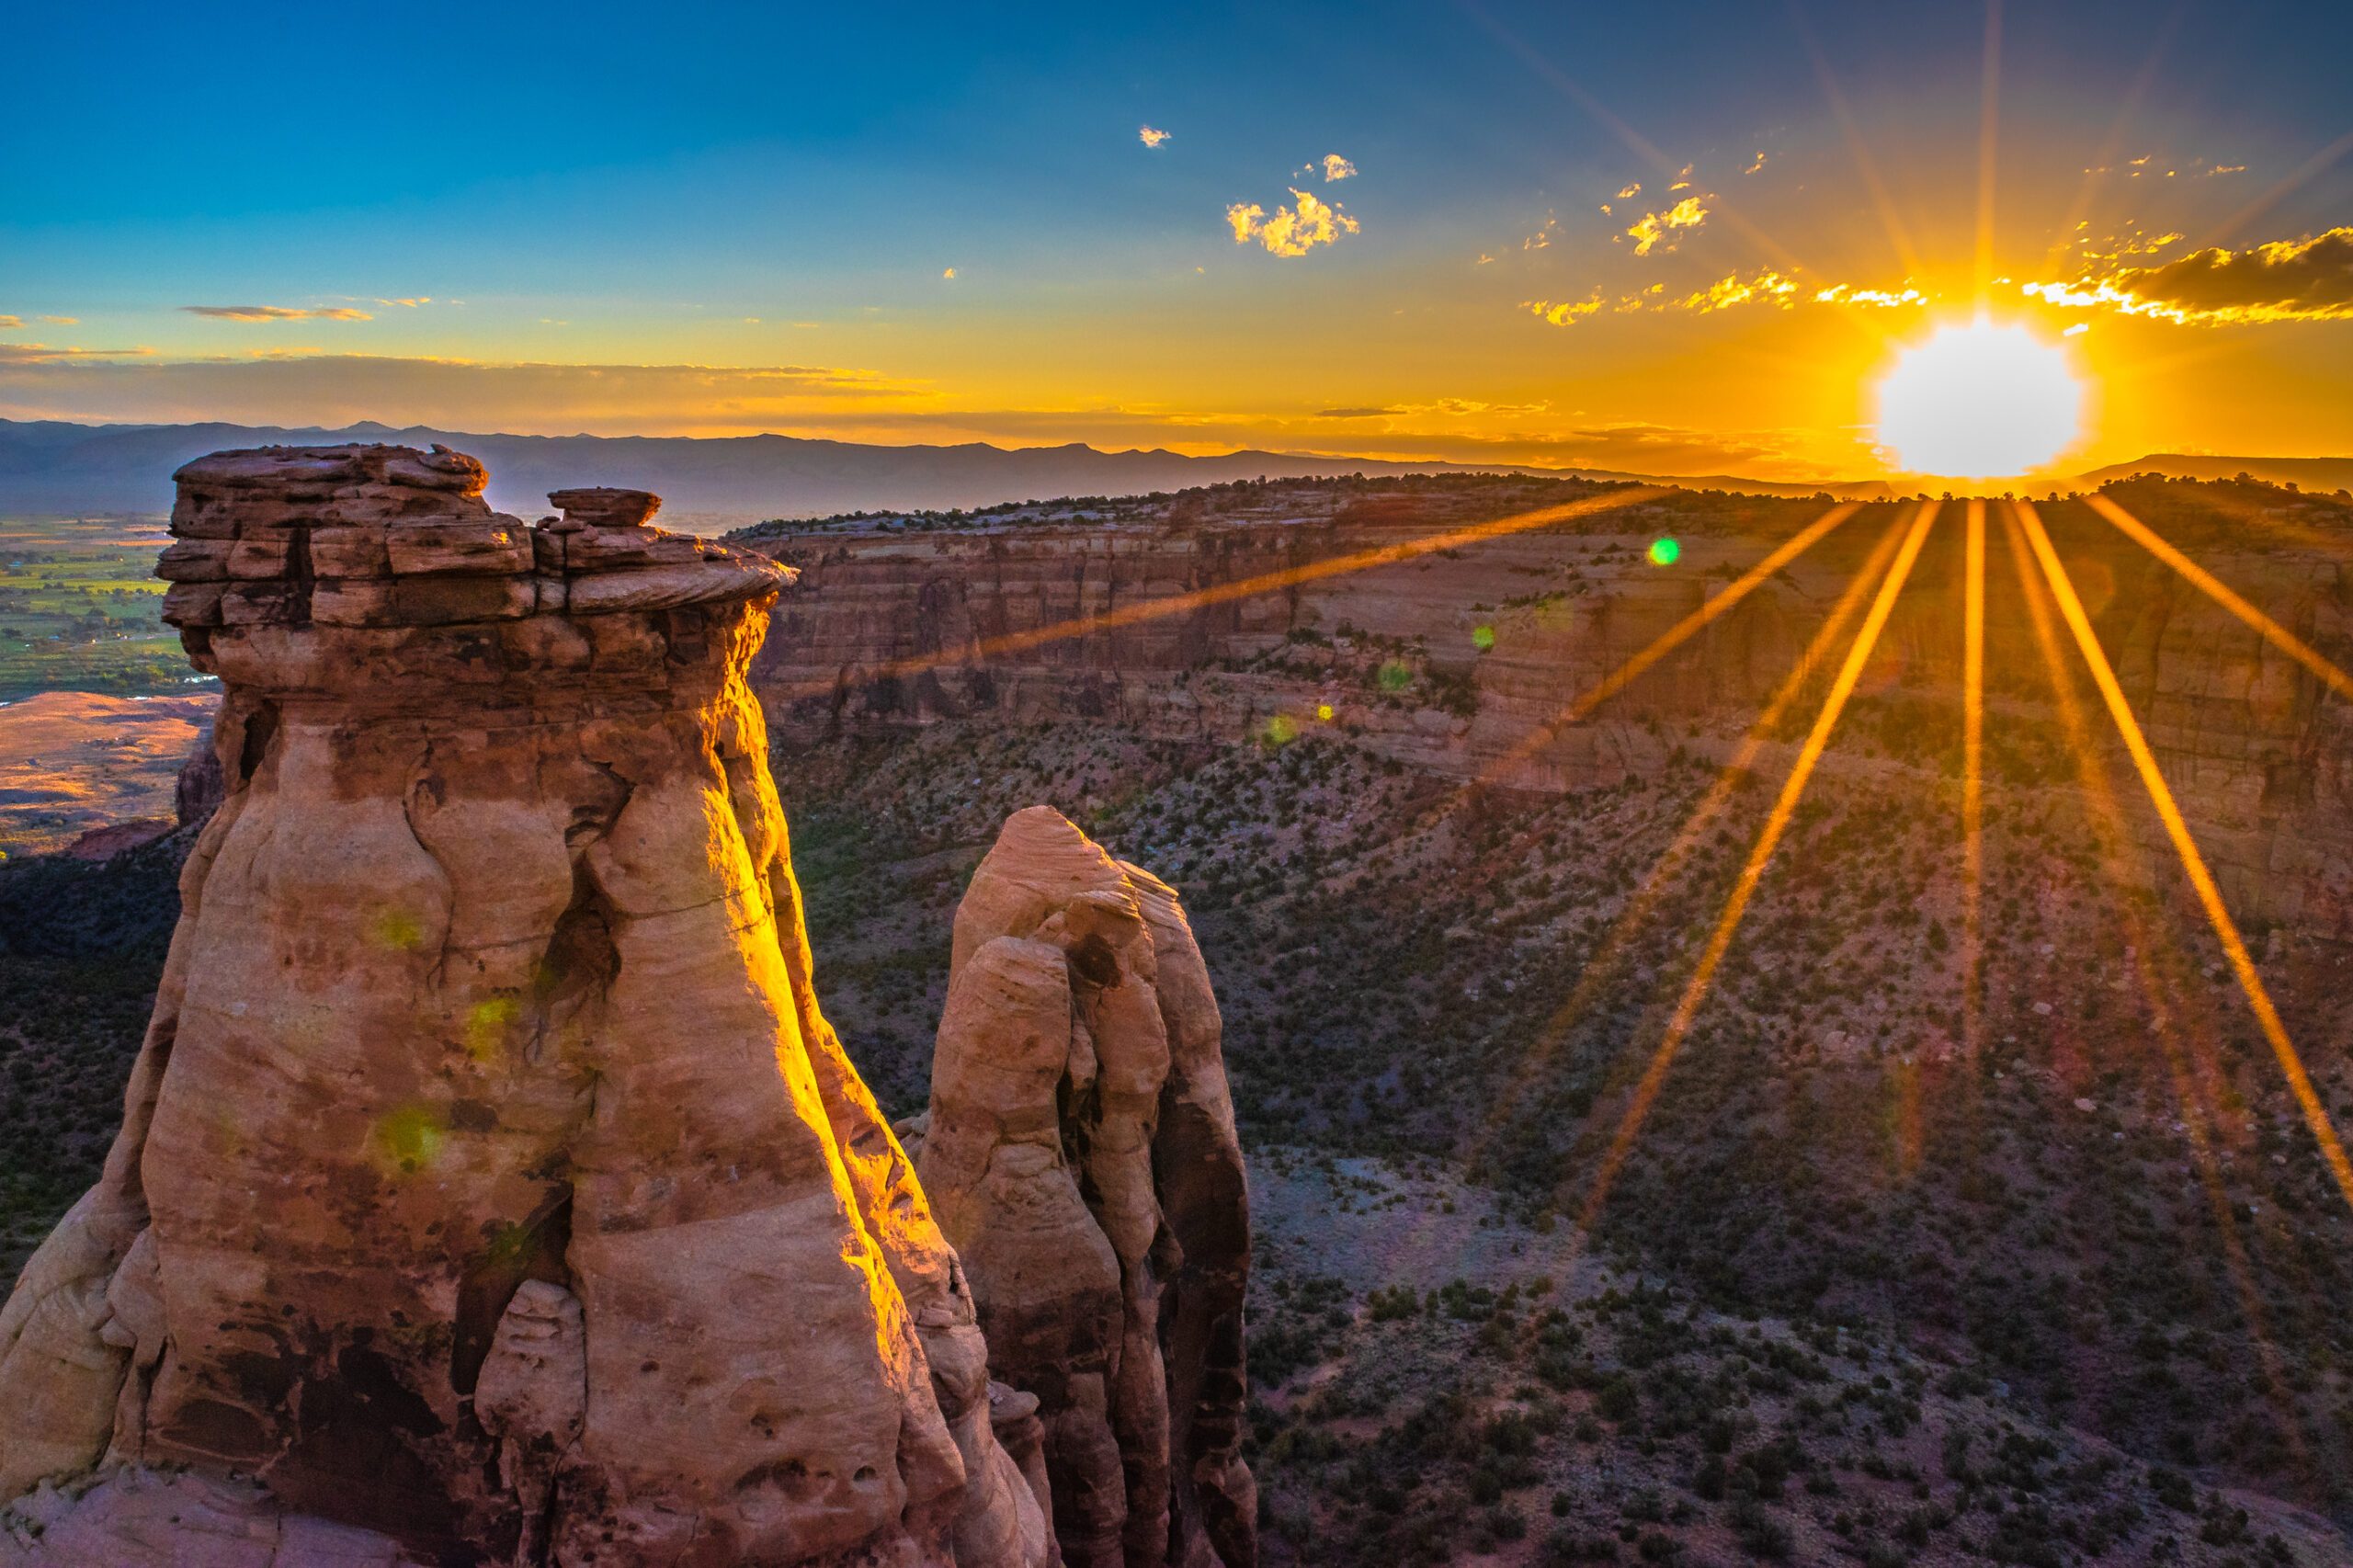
1290	232
336	389
2305	279
277	312
2133	244
1630	192
1876	299
948	274
1655	229
43	354
1562	312
1152	135
9	323
410	304
1765	287
1541	238
1337	168
1757	164
62	321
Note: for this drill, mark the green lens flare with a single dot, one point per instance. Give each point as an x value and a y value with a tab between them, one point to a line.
1482	638
1665	552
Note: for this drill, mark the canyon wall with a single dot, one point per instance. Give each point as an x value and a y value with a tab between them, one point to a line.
1450	660
490	1185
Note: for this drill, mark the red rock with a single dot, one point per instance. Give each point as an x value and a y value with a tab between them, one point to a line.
1080	1018
507	1188
602	507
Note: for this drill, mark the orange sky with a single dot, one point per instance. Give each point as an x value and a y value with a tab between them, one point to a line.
1476	236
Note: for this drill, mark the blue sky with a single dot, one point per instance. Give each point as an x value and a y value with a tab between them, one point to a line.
598	185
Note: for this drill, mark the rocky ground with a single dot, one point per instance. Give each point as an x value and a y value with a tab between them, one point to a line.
2119	1303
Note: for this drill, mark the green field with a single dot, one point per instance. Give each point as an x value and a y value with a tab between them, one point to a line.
78	609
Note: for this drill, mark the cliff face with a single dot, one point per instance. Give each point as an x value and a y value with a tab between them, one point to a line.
490	1179
890	629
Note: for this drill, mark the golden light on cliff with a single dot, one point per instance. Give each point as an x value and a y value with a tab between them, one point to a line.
2193	863
1980	401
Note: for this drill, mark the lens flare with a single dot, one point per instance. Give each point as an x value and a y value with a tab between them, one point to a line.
1980	401
1665	552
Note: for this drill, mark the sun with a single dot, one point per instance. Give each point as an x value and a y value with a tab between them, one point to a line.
1979	400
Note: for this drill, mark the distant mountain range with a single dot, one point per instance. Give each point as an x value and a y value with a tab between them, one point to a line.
50	466
2304	473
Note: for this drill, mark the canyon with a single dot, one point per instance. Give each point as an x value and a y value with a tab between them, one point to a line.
1461	661
1868	1287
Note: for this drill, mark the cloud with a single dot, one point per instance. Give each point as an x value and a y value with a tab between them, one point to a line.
10	323
947	273
1355	413
1655	228
1337	168
1630	192
1152	136
2134	244
43	354
1878	299
1757	164
277	312
62	321
2305	279
1289	233
338	389
1562	313
411	304
1765	287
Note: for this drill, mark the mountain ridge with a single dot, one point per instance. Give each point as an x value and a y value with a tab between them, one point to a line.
51	466
56	465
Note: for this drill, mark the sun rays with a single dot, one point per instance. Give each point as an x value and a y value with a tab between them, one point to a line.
2193	863
1760	856
2050	599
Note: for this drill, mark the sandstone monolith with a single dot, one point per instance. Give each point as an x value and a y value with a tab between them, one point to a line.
1080	1155
491	1187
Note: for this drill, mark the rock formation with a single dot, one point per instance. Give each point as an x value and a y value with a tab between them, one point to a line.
888	629
491	1187
1080	1155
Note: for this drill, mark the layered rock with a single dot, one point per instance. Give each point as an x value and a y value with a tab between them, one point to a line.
1080	1154
490	1179
887	629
